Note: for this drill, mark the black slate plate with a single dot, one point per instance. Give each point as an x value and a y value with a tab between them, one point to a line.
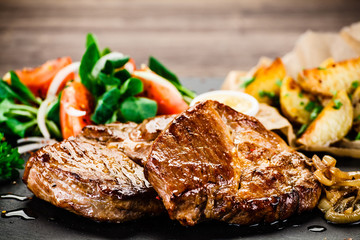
55	223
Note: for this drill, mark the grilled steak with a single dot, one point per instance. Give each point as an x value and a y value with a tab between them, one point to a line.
133	139
212	162
88	178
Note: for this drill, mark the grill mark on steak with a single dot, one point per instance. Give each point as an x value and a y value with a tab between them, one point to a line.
91	180
212	162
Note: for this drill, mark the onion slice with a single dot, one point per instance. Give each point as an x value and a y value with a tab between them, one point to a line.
60	76
101	62
30	147
36	140
71	111
41	117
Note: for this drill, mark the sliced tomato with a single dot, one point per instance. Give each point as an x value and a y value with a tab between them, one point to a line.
166	95
38	79
76	107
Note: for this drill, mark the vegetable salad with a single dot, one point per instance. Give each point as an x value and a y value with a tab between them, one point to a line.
57	99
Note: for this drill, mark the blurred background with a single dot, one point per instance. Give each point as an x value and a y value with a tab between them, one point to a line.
195	39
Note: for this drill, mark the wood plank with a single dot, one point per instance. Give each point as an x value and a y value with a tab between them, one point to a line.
194	38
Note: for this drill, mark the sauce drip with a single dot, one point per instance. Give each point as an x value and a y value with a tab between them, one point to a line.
17	213
316	228
15	197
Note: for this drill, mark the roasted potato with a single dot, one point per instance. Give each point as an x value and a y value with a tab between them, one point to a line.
332	124
327	63
334	77
293	101
356	102
265	86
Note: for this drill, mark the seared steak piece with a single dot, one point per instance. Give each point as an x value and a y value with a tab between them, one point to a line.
91	180
133	139
212	162
114	132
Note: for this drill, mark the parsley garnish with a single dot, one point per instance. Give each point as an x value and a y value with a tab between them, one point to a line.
10	161
278	82
315	112
337	104
310	106
321	68
263	93
302	129
314	109
357	136
354	84
247	82
301	95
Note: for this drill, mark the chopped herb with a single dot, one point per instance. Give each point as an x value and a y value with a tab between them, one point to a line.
315	112
10	160
287	94
263	93
301	95
310	106
278	82
355	84
302	129
357	136
334	93
321	68
314	108
302	103
337	104
246	82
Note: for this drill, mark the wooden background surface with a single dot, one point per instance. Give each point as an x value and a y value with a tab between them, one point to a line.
194	38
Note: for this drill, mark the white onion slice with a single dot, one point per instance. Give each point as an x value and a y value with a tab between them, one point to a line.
60	76
74	112
41	117
36	140
30	147
129	67
101	62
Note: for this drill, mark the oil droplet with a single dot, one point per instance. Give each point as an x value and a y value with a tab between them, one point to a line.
316	228
22	213
15	197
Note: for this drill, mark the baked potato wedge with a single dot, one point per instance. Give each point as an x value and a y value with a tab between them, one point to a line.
332	124
293	101
265	86
335	77
356	102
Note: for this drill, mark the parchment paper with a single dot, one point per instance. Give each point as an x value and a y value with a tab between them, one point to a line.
310	50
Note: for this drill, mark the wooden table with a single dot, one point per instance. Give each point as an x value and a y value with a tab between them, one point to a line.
194	38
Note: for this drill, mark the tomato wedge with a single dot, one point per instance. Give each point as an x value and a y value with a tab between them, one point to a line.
38	79
166	95
76	107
